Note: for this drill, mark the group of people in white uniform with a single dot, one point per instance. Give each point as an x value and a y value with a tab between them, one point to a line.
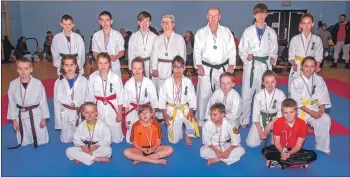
95	112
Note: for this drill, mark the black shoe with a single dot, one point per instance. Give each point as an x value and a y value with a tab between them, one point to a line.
347	66
334	65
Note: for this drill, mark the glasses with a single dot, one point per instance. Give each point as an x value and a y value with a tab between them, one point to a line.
145	113
178	67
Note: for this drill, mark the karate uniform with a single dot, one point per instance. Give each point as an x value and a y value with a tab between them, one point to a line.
162	46
253	70
300	92
64	116
263	100
100	135
33	96
299	48
146	91
61	46
222	138
114	96
204	54
233	103
167	94
141	47
112	45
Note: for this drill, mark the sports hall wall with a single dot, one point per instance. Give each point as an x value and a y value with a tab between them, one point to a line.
33	19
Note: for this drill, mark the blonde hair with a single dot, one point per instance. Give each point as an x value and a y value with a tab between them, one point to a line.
172	18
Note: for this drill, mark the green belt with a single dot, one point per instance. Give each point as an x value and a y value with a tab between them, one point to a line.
262	60
267	119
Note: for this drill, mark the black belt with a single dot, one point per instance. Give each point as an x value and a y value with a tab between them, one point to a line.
89	143
145	59
77	109
31	118
165	60
62	55
211	71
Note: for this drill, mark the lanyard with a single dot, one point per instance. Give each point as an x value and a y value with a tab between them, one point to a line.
138	93
104	87
177	92
287	138
260	36
93	132
273	95
106	40
149	140
166	45
143	41
305	50
312	86
75	78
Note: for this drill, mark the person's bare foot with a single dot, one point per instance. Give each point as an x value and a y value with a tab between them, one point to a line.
307	165
76	161
244	126
161	161
188	140
328	153
268	163
212	161
135	162
101	159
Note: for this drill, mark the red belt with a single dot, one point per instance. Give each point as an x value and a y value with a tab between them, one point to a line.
107	99
134	107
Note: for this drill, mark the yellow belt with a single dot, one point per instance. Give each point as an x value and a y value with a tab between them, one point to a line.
299	58
306	103
194	123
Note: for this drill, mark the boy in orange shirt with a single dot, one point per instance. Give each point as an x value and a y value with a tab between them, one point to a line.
146	135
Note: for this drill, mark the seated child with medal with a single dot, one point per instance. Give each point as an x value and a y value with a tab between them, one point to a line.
146	135
289	133
92	138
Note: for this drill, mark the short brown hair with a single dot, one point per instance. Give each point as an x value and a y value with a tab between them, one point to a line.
289	103
145	107
218	107
103	55
260	8
227	74
24	60
143	15
267	73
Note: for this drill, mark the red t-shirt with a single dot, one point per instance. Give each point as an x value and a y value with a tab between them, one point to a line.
287	133
341	32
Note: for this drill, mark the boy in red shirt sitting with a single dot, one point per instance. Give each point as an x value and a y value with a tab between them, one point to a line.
289	133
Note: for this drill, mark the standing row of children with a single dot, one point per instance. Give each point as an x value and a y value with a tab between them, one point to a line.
177	100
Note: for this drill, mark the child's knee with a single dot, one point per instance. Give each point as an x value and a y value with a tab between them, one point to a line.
70	151
127	153
240	151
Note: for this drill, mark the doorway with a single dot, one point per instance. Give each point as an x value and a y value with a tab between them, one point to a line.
285	23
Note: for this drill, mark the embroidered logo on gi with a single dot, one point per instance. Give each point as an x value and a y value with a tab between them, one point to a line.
268	36
186	90
313	46
235	130
111	87
313	90
274	104
146	94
